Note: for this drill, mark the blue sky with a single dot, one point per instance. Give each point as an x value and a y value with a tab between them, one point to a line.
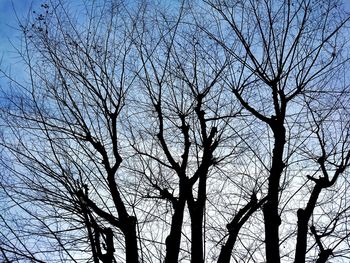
9	24
9	33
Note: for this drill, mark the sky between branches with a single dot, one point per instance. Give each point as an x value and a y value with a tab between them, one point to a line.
10	12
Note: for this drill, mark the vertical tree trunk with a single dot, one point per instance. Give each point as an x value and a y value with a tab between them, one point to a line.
131	241
174	238
300	251
272	219
196	209
303	220
272	222
197	213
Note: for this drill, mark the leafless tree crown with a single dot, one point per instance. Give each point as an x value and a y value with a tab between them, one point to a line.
177	131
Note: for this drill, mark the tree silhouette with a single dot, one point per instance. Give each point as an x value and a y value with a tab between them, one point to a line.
206	131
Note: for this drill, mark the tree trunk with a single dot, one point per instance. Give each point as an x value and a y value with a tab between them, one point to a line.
197	233
300	251
324	255
131	241
272	219
226	250
174	238
196	209
303	220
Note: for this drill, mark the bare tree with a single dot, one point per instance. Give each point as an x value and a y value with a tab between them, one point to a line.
190	124
284	50
63	126
206	131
